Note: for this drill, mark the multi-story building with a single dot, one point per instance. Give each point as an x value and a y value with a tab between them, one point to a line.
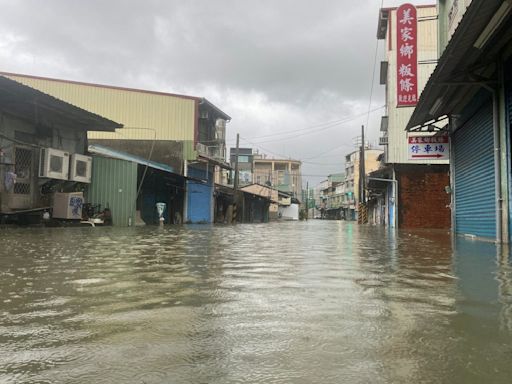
320	198
283	174
352	164
185	133
334	194
471	88
416	164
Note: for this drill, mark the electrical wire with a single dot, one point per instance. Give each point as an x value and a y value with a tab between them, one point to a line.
339	122
311	131
373	77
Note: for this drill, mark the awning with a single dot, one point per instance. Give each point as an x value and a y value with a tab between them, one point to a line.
115	154
460	70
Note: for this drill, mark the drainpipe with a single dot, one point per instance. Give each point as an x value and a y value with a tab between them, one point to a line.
452	176
497	164
185	197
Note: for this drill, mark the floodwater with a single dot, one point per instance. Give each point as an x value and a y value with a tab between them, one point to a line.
303	302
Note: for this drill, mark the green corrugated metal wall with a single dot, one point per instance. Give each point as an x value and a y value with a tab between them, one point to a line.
114	185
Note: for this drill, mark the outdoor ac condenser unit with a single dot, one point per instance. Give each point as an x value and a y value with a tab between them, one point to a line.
80	168
54	164
68	205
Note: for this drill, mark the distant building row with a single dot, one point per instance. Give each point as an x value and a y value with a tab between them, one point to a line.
70	149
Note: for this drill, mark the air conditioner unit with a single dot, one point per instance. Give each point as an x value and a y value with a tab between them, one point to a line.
54	164
80	168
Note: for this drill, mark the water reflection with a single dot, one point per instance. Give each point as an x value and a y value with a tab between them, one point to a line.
315	301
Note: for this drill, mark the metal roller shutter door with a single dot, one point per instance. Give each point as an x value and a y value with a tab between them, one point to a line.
475	195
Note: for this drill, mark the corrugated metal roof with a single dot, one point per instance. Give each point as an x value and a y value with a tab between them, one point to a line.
451	74
115	154
40	108
100	91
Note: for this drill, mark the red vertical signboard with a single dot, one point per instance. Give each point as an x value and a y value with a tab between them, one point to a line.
406	56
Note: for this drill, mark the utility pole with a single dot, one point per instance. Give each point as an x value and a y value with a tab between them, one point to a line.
363	170
235	186
362	216
307	200
237	199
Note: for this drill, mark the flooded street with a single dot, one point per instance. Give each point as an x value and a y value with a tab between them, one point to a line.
303	302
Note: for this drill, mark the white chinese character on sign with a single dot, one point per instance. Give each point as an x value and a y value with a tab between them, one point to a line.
406	17
406	50
406	85
405	70
406	34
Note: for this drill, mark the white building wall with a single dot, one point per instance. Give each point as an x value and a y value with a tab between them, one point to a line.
397	148
450	15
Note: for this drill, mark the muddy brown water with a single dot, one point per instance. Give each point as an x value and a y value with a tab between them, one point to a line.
302	302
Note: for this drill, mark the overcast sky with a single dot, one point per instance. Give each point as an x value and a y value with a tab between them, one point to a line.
294	75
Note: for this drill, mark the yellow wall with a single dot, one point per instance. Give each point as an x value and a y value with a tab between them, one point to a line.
145	115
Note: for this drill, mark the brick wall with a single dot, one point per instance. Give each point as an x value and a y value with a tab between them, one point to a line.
422	198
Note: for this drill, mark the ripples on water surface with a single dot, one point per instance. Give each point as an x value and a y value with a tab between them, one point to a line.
307	302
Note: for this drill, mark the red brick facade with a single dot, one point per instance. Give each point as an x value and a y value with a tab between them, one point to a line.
423	201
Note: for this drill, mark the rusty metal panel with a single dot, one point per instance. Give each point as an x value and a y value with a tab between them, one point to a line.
145	115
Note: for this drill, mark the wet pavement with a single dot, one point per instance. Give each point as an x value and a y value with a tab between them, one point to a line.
303	302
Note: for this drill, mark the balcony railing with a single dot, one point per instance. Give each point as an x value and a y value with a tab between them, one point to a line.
212	152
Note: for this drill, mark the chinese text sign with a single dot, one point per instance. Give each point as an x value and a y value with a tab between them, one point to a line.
407	57
429	148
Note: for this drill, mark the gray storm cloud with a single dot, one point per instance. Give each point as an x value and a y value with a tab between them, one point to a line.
274	66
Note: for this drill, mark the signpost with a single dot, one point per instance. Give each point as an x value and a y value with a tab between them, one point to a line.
429	148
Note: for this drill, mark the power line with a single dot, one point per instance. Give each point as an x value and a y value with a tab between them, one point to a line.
264	149
373	76
311	130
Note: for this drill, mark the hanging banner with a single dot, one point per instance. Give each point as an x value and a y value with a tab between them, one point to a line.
406	56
